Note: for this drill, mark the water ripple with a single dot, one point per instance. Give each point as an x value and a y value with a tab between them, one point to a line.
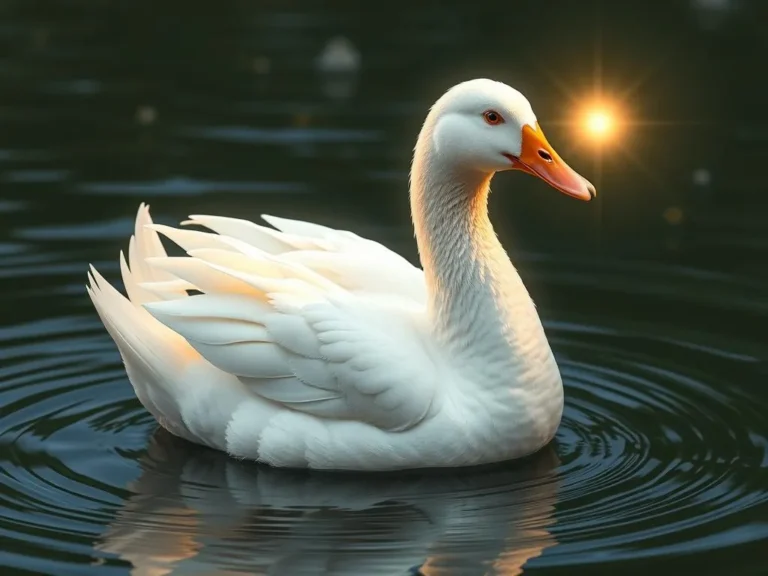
662	453
242	134
180	186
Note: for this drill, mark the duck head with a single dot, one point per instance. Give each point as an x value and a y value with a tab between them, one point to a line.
487	126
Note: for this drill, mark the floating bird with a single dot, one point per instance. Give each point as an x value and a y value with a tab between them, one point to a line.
305	346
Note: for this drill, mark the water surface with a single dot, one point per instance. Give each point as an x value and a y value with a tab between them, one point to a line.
658	319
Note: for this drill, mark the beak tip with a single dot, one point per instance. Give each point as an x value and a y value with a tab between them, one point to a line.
592	191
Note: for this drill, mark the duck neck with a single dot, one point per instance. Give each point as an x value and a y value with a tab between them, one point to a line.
480	310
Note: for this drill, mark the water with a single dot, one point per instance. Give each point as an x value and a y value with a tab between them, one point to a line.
661	460
659	323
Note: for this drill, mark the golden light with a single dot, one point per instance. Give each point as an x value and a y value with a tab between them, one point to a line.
599	123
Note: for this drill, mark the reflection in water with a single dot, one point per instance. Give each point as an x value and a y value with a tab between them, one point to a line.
195	511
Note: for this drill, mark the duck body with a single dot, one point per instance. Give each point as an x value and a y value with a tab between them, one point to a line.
310	347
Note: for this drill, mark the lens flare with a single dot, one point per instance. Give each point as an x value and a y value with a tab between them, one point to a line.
599	122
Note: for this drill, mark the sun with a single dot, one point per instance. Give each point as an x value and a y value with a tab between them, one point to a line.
599	123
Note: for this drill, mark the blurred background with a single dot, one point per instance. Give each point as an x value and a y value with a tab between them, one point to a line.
310	110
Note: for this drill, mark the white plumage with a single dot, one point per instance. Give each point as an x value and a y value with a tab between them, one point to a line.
314	347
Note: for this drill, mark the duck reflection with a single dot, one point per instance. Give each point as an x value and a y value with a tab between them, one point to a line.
195	511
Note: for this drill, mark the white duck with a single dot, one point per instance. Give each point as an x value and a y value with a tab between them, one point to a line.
313	347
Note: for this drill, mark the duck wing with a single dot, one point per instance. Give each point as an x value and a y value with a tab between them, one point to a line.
301	319
358	264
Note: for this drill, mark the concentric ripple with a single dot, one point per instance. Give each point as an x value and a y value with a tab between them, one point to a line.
662	453
661	462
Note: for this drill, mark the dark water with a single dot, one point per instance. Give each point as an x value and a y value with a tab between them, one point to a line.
660	323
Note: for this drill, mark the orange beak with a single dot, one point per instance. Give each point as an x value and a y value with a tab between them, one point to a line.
540	159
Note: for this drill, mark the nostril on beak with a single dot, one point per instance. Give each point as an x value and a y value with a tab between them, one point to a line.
546	156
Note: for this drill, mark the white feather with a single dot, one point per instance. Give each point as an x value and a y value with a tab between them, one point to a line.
314	347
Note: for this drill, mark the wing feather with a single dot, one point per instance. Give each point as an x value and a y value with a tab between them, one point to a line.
293	335
358	264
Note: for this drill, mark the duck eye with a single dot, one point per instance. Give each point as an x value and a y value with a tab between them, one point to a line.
492	117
